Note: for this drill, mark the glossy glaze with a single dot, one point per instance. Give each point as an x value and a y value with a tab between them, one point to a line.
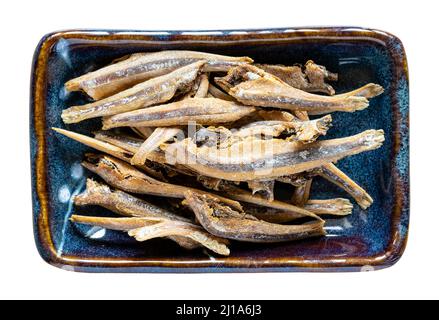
366	240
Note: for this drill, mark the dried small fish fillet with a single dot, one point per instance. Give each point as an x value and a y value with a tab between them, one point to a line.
170	228
133	144
368	91
126	177
154	91
187	235
263	159
119	224
253	86
140	67
125	142
200	110
335	207
312	80
159	136
244	196
222	221
265	188
115	151
121	202
217	93
333	174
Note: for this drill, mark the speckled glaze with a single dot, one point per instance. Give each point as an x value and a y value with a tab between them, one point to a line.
366	240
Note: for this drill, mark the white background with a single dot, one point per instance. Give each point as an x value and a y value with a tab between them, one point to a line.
24	275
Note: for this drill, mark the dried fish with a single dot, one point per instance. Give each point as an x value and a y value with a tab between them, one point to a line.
254	159
187	235
312	80
335	207
222	221
200	110
253	86
339	178
140	67
124	176
121	202
159	136
238	194
119	224
154	91
115	151
170	228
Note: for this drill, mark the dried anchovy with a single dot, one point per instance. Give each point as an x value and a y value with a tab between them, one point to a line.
261	159
253	86
200	110
140	67
187	235
115	151
154	91
335	207
333	174
312	79
126	177
222	221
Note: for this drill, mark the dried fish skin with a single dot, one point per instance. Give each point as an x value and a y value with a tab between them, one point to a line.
220	220
206	111
154	91
121	202
123	176
312	80
331	173
255	159
140	67
253	86
159	136
335	207
170	228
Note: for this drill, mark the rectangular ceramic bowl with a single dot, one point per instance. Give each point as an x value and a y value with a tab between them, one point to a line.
366	240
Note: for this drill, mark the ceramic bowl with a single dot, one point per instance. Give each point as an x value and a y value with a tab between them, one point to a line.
366	240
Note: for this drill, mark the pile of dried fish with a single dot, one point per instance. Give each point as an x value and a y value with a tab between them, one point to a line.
209	136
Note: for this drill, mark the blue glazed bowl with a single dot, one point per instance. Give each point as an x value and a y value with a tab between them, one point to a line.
366	240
